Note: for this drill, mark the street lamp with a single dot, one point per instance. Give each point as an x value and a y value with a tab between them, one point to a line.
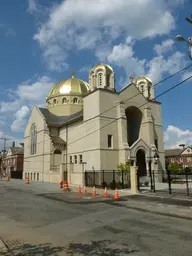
156	157
180	38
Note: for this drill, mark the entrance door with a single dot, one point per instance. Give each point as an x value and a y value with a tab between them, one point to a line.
140	162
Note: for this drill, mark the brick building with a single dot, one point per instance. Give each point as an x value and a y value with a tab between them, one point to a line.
12	163
182	156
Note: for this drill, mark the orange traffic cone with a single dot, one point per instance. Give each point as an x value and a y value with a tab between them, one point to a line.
84	190
94	191
116	195
79	189
105	193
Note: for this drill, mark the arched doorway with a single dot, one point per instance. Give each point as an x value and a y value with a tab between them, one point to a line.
134	119
140	162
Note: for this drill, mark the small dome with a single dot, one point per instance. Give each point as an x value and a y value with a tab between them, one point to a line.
72	86
101	65
145	78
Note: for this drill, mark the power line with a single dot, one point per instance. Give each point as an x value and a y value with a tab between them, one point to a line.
4	146
137	94
116	119
166	91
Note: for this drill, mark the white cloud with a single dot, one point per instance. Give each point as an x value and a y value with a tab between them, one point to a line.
19	123
85	69
123	56
27	95
120	53
160	65
72	26
165	47
186	75
174	136
35	92
32	6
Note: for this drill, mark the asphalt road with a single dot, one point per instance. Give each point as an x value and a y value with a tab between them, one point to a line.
32	224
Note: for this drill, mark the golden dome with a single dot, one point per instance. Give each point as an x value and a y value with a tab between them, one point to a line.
72	86
101	65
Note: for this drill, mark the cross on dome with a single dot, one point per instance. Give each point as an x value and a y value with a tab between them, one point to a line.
73	74
131	77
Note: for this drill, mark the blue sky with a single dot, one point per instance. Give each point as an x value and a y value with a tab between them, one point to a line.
42	41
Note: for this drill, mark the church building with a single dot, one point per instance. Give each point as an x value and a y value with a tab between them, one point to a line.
87	126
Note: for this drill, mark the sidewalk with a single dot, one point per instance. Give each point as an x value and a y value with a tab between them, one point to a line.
170	210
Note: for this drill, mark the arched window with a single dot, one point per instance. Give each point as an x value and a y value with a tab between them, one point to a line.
33	139
64	100
93	80
142	87
54	102
107	80
100	79
75	100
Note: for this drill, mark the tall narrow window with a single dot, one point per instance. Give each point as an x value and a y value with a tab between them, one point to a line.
142	88
110	142
100	79
33	139
54	102
156	143
64	101
75	159
107	80
80	159
70	160
75	100
93	80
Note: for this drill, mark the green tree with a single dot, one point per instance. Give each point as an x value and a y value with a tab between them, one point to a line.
123	167
175	167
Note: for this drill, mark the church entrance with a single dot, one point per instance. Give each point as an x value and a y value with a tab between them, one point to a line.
134	119
140	162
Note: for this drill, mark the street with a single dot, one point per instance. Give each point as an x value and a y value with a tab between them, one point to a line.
32	224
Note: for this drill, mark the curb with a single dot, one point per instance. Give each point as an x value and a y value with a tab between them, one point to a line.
3	247
152	212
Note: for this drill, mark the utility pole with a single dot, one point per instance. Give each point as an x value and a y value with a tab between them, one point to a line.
4	148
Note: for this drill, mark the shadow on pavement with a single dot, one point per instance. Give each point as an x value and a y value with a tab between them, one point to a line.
34	250
101	248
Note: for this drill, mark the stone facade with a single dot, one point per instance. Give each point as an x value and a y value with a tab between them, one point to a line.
105	129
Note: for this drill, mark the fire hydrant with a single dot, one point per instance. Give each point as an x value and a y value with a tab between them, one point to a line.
61	184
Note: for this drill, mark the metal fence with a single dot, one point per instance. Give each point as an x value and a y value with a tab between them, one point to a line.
169	182
110	179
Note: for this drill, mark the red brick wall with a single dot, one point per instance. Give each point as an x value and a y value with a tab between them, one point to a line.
172	159
19	163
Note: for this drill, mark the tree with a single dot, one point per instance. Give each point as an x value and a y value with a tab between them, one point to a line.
175	167
123	168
